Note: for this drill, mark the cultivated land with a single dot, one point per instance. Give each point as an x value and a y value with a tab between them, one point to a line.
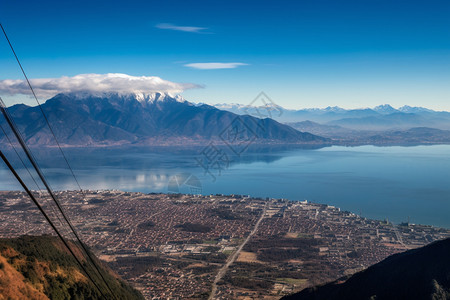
185	246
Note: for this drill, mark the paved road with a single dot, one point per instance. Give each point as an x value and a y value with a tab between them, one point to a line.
399	237
233	257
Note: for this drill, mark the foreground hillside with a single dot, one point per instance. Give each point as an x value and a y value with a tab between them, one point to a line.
422	273
41	268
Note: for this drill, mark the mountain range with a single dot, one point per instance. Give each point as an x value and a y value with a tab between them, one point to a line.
422	273
381	125
113	119
87	119
382	117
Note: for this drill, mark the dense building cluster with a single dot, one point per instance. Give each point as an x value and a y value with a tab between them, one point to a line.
174	246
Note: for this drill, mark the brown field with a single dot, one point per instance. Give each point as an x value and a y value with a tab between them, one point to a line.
291	235
248	257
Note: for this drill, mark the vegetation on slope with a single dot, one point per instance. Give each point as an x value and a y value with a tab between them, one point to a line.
41	267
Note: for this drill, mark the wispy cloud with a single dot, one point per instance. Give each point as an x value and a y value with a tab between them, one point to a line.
215	65
181	28
94	83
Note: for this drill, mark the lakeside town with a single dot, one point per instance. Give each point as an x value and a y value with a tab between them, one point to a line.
173	246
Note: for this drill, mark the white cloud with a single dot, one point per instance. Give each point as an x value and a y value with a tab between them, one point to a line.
180	28
94	83
215	65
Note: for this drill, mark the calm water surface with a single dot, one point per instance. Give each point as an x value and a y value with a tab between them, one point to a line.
377	182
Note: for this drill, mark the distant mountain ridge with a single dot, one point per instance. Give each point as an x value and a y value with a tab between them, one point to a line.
86	119
381	117
343	135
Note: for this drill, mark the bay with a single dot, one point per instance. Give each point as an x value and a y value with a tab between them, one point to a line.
395	182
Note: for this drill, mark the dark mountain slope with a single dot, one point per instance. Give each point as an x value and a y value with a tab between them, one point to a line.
422	273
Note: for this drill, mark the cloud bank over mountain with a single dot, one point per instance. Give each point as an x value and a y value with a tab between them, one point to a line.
94	83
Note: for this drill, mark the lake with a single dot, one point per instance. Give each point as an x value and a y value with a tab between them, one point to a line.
376	182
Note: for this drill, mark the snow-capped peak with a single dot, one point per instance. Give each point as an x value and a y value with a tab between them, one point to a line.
415	109
334	109
385	109
157	97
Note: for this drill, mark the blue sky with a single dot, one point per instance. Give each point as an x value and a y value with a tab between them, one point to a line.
301	53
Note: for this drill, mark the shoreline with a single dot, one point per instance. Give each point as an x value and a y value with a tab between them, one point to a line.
243	197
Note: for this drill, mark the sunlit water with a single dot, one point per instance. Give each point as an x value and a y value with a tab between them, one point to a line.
377	182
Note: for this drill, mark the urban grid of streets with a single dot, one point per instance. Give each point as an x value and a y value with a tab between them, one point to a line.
217	246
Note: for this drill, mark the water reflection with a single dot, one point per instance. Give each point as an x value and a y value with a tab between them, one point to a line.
380	182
